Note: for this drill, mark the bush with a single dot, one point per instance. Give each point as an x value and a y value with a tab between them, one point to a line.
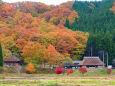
70	71
30	68
108	71
59	70
82	70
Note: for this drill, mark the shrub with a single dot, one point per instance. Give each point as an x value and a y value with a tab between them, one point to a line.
59	70
108	71
70	71
82	70
30	68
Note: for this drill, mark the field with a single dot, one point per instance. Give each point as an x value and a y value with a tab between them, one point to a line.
98	78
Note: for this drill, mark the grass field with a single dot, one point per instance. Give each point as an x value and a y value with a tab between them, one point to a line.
63	81
94	78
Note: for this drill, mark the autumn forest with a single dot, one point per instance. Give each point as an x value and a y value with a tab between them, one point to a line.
39	33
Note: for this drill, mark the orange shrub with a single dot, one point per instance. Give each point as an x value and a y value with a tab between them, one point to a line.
108	71
30	68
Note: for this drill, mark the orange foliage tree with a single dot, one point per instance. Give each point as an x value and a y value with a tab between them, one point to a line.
54	56
30	68
35	53
38	39
32	7
23	20
65	43
7	11
113	8
59	15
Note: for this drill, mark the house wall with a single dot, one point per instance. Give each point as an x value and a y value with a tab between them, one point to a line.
11	64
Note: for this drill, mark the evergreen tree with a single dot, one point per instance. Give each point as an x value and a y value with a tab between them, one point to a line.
97	19
67	24
1	56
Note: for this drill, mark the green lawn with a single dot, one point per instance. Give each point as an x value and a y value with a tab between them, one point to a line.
61	83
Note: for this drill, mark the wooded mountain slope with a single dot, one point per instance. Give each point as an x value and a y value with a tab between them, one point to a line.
98	19
35	37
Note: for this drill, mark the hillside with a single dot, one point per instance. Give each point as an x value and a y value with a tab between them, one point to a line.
55	14
32	7
30	31
98	19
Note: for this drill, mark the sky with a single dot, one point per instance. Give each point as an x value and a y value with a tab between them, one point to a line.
48	2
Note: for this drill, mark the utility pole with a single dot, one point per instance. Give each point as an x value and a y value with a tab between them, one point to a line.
107	59
91	51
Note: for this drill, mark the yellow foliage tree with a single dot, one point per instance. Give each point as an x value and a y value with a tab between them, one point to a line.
30	68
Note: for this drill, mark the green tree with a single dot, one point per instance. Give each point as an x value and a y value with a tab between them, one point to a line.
97	19
105	43
67	24
1	56
34	14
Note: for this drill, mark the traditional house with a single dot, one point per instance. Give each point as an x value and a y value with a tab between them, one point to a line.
12	60
91	62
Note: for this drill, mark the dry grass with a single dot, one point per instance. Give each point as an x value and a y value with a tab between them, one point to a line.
52	79
75	79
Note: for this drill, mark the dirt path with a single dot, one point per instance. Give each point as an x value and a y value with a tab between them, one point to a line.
14	79
50	77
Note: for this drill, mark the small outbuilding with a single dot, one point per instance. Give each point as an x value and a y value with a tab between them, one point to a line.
91	62
12	60
75	63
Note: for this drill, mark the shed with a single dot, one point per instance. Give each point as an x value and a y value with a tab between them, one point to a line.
76	63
